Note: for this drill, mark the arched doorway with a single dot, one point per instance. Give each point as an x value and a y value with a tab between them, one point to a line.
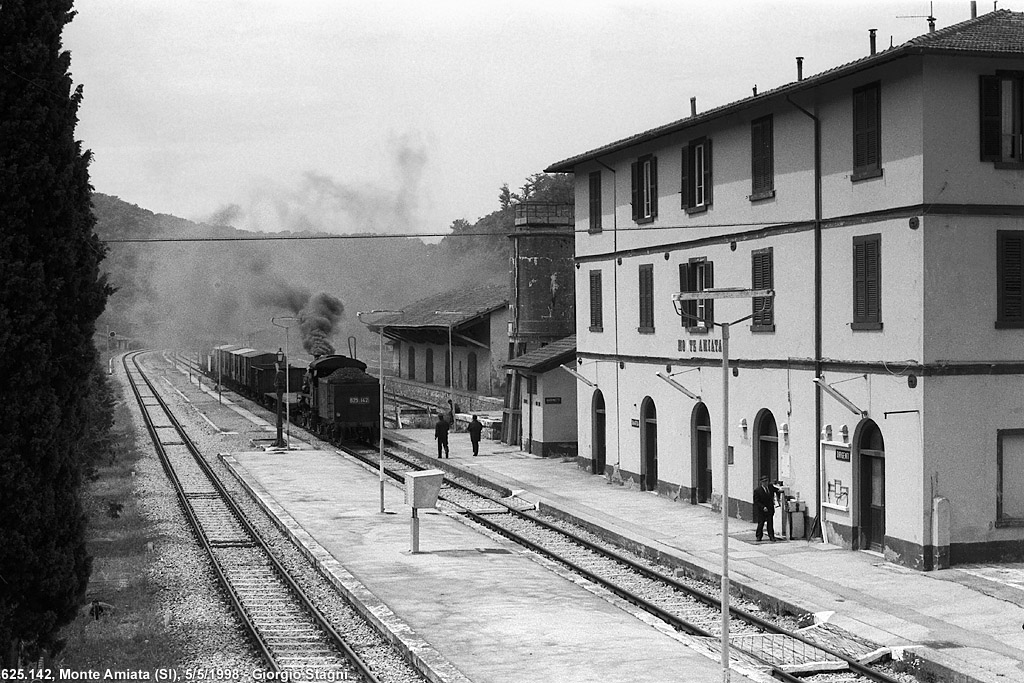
871	456
648	446
429	371
412	362
702	472
767	444
598	454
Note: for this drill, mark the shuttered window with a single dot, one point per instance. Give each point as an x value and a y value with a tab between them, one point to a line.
867	132
697	275
1010	277
644	179
1001	115
696	187
595	201
596	302
646	298
762	159
867	282
762	277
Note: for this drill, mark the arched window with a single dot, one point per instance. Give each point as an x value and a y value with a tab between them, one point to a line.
471	371
429	377
412	362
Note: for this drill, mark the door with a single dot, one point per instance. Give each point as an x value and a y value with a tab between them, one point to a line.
702	451
649	446
599	454
872	489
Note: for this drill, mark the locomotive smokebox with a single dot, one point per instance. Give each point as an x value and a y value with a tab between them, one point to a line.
543	281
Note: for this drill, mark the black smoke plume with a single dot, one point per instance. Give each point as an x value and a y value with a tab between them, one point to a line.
317	321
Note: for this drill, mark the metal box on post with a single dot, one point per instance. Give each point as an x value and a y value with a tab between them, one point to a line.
422	488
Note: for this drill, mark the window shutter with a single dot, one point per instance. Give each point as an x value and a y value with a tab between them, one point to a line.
709	282
595	299
654	187
867	296
761	171
989	102
1011	277
871	271
684	286
595	201
762	277
866	133
684	189
635	169
646	296
707	172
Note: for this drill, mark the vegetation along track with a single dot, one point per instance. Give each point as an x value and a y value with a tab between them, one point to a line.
815	654
292	636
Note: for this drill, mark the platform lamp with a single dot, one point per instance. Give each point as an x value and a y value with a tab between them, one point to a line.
451	363
767	296
380	373
278	385
287	322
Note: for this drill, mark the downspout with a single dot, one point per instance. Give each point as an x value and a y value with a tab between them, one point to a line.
817	307
615	313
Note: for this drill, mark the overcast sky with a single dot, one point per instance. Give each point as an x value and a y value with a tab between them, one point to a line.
404	116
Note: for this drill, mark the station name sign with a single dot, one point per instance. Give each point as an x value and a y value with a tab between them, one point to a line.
701	345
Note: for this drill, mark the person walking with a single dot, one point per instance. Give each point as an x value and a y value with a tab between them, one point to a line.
764	508
441	434
474	429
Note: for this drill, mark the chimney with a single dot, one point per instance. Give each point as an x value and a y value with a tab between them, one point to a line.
693	106
871	32
799	68
755	91
974	9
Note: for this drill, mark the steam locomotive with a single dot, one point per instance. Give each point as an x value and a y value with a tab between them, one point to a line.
332	396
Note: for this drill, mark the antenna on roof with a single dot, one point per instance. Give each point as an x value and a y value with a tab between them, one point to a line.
930	17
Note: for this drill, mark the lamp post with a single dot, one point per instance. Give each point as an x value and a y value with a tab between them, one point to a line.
290	321
380	373
724	293
279	385
451	364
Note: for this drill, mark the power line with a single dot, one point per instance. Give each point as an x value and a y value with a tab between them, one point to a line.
421	235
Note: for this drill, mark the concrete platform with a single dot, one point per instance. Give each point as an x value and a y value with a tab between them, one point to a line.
962	624
469	606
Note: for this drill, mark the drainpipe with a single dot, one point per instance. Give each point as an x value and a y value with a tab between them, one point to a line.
817	305
615	314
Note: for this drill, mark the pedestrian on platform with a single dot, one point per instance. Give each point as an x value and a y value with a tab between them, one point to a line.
764	508
441	434
474	429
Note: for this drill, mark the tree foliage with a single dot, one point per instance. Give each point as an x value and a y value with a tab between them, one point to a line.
50	296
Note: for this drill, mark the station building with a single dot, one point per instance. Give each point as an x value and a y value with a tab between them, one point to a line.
883	203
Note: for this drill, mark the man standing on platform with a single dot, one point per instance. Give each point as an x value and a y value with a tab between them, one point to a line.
441	434
764	508
474	429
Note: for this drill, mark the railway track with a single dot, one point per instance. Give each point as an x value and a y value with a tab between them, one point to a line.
294	639
816	654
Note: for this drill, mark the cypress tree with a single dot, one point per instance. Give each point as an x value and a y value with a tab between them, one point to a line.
51	293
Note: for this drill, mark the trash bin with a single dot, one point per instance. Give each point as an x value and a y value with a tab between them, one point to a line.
422	488
796	509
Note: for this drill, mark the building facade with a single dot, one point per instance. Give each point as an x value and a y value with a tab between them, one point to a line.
882	202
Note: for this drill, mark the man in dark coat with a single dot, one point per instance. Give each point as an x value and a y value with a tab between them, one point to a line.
474	430
441	434
764	508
